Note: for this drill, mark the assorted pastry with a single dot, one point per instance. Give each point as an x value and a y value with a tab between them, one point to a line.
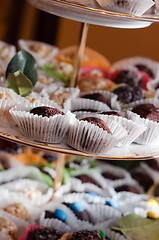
97	200
90	118
113	105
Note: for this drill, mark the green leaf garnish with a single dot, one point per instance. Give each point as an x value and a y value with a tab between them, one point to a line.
21	73
49	70
19	83
135	227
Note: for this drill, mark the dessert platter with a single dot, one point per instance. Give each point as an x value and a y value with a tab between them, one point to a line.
54	184
91	12
24	119
121	16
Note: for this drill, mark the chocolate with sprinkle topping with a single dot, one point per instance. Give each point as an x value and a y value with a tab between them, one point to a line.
97	122
87	235
44	234
45	111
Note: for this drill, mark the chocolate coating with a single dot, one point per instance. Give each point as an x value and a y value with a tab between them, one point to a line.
143	179
128	94
127	188
87	235
145	69
97	97
97	122
122	3
111	176
44	234
46	111
153	163
87	179
81	214
129	77
148	111
114	113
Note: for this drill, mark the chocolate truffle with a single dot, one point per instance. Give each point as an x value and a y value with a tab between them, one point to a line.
97	97
114	113
143	179
46	111
129	77
148	111
111	176
86	235
44	234
87	179
128	94
153	163
128	188
97	122
145	69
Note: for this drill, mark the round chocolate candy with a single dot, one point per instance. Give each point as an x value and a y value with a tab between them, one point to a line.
87	235
44	233
97	122
97	97
45	111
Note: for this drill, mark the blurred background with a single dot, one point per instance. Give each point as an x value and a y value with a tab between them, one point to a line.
18	19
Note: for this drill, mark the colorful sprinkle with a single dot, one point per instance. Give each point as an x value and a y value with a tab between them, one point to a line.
77	207
111	203
60	214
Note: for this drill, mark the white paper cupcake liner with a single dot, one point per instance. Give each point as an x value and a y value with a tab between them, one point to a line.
152	87
151	172
157	6
9	160
113	235
133	129
93	173
61	94
111	97
87	3
151	134
89	138
37	192
37	98
101	213
118	171
33	212
71	219
134	7
88	198
20	172
55	223
42	129
8	99
133	61
81	104
80	187
42	52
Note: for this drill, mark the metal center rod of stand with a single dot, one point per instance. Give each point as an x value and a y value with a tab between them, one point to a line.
79	55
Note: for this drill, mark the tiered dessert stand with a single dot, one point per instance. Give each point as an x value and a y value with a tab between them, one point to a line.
88	15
